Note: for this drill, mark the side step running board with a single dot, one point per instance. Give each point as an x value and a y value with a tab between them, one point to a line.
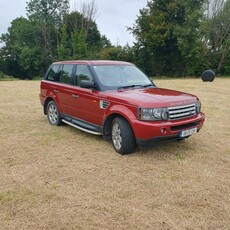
82	129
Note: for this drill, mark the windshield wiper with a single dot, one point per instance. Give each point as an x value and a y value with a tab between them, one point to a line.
129	86
145	86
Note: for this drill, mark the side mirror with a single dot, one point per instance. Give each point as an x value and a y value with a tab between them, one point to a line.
87	84
208	75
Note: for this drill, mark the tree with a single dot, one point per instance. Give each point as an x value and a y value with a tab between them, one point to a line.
167	34
79	45
217	32
63	49
82	32
82	35
49	33
125	53
20	54
48	15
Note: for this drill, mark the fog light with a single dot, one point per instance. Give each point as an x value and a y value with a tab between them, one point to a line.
163	130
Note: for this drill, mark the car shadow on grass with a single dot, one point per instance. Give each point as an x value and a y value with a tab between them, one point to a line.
176	149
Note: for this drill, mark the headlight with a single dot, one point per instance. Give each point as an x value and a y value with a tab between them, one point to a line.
152	114
198	106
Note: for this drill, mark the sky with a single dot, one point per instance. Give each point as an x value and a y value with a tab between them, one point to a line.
113	16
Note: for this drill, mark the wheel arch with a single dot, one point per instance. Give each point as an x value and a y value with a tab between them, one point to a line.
108	123
48	99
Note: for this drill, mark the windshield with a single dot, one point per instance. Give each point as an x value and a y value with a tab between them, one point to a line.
121	76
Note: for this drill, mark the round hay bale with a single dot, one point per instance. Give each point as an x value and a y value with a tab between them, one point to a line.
208	75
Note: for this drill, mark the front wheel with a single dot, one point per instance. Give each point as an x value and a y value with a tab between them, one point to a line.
53	114
122	136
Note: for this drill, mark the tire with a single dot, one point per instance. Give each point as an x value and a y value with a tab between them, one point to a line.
53	114
122	136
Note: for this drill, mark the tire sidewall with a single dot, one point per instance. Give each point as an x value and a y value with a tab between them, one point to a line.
128	140
58	121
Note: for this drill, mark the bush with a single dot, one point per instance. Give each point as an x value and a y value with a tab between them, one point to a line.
4	77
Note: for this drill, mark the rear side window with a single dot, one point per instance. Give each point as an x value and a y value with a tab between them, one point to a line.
82	73
53	73
66	74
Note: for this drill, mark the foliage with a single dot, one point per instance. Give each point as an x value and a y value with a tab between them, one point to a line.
217	34
173	38
48	16
20	56
125	53
167	34
49	33
63	48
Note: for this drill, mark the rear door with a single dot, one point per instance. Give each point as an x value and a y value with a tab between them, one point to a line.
46	88
61	89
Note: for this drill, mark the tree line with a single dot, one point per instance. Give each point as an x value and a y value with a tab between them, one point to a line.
173	38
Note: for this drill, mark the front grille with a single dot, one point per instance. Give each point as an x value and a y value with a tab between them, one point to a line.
180	112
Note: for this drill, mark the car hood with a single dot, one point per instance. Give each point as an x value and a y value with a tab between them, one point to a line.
152	97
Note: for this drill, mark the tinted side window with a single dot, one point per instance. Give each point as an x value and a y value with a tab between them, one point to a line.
66	74
82	73
53	73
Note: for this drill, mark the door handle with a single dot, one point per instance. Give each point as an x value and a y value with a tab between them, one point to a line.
56	91
75	96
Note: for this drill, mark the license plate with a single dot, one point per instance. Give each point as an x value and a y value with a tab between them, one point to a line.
188	132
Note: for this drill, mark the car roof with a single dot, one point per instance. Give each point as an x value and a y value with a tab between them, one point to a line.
94	62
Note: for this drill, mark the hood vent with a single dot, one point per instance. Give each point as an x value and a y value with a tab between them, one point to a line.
104	104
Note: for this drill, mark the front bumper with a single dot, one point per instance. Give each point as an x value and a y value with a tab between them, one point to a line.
158	140
153	133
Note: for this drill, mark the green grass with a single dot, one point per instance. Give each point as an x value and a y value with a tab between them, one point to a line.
8	79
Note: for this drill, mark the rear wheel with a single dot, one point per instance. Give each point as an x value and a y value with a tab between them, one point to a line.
53	114
122	136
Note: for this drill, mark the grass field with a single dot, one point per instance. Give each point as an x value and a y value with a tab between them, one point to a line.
62	178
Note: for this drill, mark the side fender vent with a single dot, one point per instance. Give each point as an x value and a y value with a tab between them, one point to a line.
104	104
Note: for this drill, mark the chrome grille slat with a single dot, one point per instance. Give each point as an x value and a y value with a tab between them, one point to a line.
182	106
181	115
179	112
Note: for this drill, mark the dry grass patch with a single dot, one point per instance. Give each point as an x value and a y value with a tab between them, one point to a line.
62	178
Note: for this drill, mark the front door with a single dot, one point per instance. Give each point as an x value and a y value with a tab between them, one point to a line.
87	106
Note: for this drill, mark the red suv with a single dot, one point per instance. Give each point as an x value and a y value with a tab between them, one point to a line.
116	100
